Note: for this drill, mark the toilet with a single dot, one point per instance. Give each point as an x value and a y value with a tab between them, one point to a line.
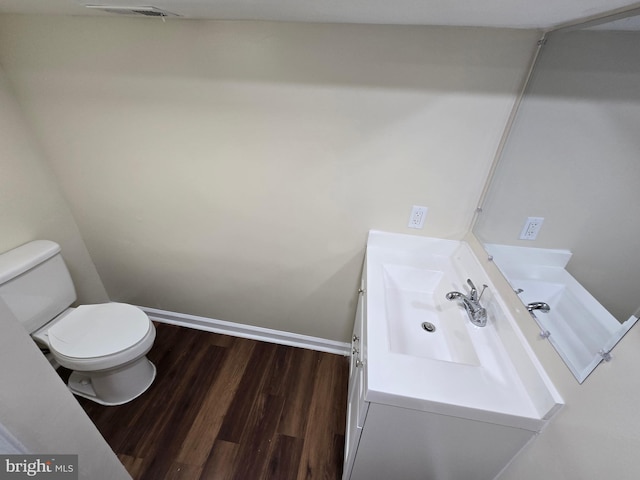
105	345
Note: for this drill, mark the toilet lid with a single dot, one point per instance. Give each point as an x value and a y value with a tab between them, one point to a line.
92	331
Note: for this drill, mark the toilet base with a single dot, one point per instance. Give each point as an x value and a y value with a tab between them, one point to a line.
114	387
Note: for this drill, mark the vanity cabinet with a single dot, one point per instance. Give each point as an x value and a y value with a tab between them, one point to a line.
386	441
414	415
409	444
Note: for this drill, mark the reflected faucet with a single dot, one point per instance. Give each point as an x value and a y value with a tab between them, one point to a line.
543	307
477	313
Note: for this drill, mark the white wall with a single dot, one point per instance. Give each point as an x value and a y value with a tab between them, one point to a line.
232	169
35	405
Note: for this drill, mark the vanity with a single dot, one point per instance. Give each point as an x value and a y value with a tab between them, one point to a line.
431	395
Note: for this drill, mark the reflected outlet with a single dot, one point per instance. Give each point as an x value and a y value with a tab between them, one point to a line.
531	228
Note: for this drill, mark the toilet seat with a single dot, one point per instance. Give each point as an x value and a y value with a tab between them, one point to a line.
92	331
100	337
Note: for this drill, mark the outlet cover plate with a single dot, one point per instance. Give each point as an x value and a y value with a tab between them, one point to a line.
418	214
531	228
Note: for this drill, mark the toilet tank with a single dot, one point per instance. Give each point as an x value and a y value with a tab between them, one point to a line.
35	283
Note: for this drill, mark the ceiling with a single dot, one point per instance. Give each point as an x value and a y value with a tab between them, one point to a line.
483	13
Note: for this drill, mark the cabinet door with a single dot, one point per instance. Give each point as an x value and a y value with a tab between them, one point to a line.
356	338
356	414
356	407
401	443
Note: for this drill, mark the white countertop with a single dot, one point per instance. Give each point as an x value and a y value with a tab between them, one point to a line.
507	385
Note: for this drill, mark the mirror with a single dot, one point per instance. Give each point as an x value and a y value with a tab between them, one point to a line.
571	161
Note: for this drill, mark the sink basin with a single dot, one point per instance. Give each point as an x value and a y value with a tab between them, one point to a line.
480	373
414	297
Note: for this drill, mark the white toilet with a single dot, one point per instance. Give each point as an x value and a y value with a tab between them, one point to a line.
104	344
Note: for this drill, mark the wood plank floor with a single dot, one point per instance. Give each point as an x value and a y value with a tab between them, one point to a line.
230	408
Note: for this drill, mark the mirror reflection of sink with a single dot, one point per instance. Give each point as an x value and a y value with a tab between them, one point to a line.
578	326
414	296
540	291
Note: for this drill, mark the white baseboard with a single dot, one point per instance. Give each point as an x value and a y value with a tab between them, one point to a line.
248	331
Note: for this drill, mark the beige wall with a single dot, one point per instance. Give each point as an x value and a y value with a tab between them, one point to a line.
31	204
597	432
192	113
40	412
35	406
233	169
573	159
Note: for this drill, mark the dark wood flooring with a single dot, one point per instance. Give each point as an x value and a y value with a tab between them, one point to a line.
230	408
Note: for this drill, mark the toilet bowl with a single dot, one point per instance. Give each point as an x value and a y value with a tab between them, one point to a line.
105	345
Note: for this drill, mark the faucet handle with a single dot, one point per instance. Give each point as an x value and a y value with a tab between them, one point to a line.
474	291
473	294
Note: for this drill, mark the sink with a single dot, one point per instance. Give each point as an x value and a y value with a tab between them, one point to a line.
458	369
415	297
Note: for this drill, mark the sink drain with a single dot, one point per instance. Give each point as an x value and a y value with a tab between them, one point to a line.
428	327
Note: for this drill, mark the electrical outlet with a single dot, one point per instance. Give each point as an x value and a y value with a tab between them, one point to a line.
531	228
418	213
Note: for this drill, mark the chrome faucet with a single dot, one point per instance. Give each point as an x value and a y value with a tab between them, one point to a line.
543	307
477	313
